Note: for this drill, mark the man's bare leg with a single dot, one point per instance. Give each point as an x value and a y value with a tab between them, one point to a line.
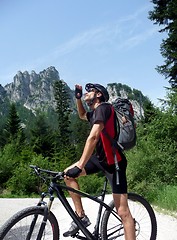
72	182
121	204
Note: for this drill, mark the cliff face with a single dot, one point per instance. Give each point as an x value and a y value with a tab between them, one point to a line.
2	93
35	91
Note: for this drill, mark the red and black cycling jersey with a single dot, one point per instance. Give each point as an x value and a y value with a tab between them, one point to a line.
104	113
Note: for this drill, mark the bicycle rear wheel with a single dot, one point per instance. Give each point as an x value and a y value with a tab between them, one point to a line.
143	214
25	224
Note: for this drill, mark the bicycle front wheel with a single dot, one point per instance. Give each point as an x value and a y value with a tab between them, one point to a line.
144	217
26	225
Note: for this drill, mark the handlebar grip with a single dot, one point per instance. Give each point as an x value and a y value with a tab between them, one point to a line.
57	175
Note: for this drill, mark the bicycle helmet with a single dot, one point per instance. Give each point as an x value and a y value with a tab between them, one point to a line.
99	88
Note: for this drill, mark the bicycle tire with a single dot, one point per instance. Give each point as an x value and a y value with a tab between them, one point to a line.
17	227
143	214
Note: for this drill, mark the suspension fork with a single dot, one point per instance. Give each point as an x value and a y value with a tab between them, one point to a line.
46	213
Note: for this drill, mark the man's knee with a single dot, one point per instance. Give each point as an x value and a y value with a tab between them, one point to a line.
69	181
124	213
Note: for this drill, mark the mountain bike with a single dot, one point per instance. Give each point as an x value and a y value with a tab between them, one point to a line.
38	222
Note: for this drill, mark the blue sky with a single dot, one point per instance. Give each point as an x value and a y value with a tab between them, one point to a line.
103	41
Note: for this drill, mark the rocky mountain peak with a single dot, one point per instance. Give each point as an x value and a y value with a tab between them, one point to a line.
49	73
33	90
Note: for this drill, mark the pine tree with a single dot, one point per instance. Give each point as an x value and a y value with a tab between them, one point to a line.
13	127
42	137
63	112
165	14
80	131
150	112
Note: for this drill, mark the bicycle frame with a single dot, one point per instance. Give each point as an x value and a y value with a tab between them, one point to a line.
41	222
58	188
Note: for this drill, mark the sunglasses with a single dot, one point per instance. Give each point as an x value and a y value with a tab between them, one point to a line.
91	90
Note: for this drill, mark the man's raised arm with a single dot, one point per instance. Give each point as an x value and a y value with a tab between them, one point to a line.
80	108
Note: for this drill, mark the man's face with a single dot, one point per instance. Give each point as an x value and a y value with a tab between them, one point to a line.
90	94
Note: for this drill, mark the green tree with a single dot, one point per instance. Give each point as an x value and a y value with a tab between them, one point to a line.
63	112
149	112
13	128
80	131
165	14
171	102
42	137
153	163
22	180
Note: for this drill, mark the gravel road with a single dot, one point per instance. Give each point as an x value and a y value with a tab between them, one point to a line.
166	225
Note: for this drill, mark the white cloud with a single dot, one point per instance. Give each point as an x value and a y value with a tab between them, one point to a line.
137	39
125	32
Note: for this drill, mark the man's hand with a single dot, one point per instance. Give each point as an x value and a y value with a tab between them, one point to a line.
73	172
78	91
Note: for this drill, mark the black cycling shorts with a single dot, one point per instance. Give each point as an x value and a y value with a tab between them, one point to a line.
95	166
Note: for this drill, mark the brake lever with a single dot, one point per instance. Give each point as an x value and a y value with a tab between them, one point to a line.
36	169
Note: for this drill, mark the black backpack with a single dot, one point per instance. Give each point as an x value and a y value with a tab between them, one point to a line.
126	131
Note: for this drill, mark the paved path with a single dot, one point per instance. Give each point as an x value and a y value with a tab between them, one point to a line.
167	225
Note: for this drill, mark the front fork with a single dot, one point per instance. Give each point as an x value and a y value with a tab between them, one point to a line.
43	203
47	208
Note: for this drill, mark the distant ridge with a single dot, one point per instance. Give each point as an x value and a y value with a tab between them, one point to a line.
35	91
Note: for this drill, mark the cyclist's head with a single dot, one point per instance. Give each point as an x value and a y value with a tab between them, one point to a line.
98	88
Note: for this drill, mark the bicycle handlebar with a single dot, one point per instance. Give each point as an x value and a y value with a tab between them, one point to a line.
55	175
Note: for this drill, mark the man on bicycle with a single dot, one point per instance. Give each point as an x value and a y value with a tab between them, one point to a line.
100	118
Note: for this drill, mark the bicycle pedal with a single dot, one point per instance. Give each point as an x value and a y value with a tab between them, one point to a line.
75	235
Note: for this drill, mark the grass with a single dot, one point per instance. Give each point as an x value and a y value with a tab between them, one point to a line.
166	199
9	194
